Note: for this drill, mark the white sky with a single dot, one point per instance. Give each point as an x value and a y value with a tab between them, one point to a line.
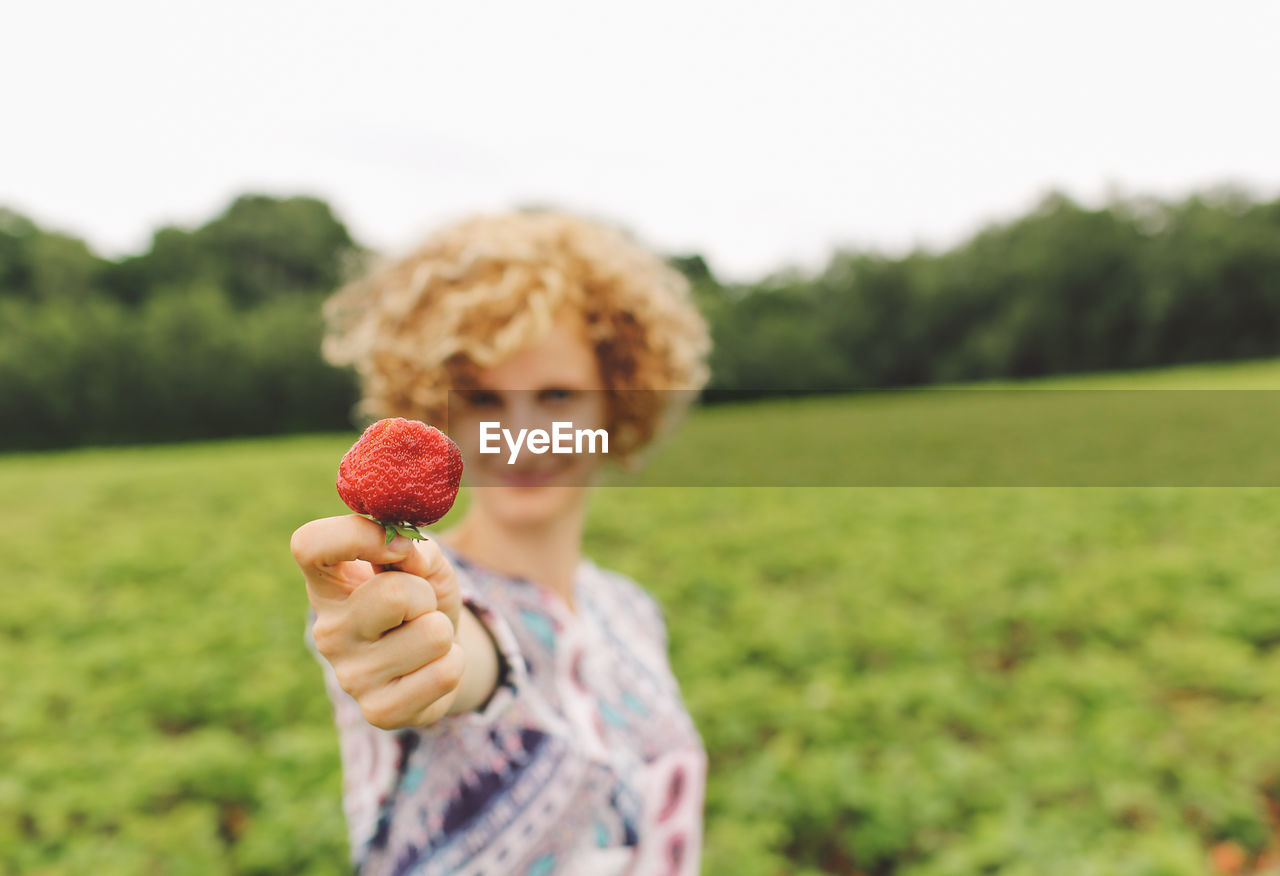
759	133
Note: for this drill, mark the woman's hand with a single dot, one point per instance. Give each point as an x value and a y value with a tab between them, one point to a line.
392	634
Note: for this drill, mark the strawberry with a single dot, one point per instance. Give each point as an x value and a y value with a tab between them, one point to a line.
402	474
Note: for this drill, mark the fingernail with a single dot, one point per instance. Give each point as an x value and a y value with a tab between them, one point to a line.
400	545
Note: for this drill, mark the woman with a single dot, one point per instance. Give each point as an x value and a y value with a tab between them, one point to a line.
504	705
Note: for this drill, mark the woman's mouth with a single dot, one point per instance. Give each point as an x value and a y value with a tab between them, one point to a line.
534	478
547	473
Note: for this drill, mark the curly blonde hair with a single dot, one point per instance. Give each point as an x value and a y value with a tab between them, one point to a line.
477	291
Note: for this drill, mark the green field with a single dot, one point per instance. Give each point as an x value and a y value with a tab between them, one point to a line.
922	680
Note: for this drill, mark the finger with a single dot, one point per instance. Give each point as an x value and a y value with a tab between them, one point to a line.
413	645
329	551
426	560
433	686
385	601
421	697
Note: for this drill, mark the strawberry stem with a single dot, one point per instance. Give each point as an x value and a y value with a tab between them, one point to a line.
398	527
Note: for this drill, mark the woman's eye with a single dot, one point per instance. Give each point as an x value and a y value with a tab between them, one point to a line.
477	398
556	395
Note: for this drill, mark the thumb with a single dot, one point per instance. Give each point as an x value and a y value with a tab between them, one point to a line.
426	560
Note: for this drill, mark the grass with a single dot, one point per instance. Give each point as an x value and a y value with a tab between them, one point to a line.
908	680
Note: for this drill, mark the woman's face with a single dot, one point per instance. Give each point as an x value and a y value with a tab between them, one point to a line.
556	379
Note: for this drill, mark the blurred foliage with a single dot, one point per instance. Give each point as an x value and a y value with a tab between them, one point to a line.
906	681
173	368
259	250
1064	289
213	330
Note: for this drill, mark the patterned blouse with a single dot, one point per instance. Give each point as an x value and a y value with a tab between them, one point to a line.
584	760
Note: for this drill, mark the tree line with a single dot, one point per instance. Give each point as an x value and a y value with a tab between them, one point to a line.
214	331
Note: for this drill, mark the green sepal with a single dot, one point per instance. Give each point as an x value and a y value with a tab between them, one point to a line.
408	530
398	527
